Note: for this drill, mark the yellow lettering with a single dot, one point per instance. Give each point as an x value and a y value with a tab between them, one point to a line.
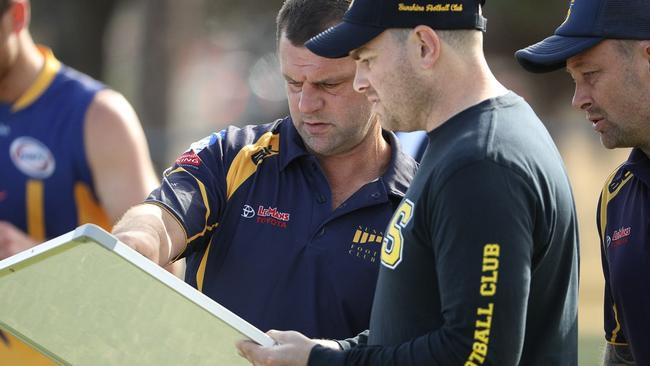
457	7
488	289
490	264
482	335
476	357
485	311
412	7
491	250
484	324
490	279
392	246
480	348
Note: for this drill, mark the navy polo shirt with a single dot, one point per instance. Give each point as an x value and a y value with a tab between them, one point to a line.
263	240
623	219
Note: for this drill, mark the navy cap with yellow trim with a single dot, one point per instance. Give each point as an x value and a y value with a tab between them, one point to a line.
588	22
366	19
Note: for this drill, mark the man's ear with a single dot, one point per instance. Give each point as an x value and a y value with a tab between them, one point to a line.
428	43
19	10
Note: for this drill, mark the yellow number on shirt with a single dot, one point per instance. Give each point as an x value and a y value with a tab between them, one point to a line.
391	251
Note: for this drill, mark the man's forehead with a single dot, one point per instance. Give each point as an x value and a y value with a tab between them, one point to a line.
589	56
317	70
374	45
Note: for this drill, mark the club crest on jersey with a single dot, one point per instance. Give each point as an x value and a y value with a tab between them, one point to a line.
366	244
262	154
32	157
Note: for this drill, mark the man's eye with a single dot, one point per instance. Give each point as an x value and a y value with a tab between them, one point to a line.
294	85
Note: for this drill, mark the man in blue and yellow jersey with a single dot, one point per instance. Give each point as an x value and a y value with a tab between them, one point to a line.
605	47
59	165
282	223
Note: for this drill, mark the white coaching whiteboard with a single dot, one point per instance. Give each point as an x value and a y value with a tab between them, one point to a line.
85	298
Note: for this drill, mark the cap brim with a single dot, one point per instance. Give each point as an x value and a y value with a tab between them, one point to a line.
551	54
339	40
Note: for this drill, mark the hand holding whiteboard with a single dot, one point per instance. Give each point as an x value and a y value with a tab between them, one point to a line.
85	298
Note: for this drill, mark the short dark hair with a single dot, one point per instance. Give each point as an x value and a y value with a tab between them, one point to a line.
299	20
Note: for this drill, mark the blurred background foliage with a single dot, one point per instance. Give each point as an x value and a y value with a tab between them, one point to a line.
191	67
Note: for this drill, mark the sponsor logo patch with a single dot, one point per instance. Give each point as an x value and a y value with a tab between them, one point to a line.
32	157
271	216
247	212
189	158
620	237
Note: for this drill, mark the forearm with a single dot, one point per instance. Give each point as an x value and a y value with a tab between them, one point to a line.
618	355
146	229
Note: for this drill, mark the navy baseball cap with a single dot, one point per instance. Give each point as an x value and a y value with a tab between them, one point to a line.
366	19
587	23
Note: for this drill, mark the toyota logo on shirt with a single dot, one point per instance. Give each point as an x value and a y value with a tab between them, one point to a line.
247	212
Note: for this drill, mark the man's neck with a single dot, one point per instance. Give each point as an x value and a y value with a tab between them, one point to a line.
467	88
346	173
22	74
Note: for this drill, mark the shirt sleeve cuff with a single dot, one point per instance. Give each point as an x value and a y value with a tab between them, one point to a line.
324	356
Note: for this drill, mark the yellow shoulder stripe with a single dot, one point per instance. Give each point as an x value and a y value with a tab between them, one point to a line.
606	196
51	67
206	204
248	158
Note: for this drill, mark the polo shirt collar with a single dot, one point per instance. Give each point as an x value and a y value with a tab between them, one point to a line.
396	178
639	164
291	144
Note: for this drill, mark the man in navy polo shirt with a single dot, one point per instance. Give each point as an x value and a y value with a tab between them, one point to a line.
605	47
282	223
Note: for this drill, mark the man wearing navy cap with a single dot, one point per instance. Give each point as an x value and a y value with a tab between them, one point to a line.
605	46
480	260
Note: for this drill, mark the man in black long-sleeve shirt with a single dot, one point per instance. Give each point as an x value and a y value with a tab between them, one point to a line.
480	260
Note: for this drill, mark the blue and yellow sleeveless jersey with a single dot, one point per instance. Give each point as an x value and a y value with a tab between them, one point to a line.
263	239
623	220
46	187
